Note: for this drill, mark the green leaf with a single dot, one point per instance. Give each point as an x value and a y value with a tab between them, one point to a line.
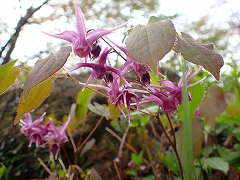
83	100
149	177
223	152
154	78
36	96
45	68
200	54
216	163
224	118
134	123
197	93
132	172
149	44
2	171
170	164
137	159
99	109
233	109
144	120
8	74
152	109
237	147
116	126
213	105
234	160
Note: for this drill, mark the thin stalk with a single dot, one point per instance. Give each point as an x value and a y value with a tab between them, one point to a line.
171	126
173	145
125	143
90	134
116	168
187	135
122	142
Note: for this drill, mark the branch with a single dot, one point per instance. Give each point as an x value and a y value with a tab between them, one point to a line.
13	39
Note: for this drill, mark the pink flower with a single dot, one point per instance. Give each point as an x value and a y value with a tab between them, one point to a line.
44	135
54	137
33	129
100	70
82	41
169	96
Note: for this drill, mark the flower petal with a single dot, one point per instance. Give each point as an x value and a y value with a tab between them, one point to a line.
69	36
95	35
80	25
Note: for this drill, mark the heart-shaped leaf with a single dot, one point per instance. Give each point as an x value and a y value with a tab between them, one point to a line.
200	54
149	44
213	105
45	68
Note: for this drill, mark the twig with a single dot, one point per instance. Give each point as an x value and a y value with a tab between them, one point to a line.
72	141
13	39
122	141
125	143
66	154
116	168
90	134
45	166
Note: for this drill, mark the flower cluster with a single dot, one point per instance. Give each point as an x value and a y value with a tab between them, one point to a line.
43	135
120	91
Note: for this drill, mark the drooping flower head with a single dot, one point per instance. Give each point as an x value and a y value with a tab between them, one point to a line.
169	95
44	135
55	136
33	129
83	41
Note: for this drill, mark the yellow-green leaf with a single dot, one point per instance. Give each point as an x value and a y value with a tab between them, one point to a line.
8	74
114	112
84	97
36	96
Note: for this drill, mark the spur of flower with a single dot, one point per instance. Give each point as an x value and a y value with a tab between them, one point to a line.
83	41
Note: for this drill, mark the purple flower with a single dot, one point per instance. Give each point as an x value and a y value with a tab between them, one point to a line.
54	137
139	68
82	41
33	129
100	69
169	96
119	94
44	135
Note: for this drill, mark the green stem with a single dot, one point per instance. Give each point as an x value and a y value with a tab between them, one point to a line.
187	135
